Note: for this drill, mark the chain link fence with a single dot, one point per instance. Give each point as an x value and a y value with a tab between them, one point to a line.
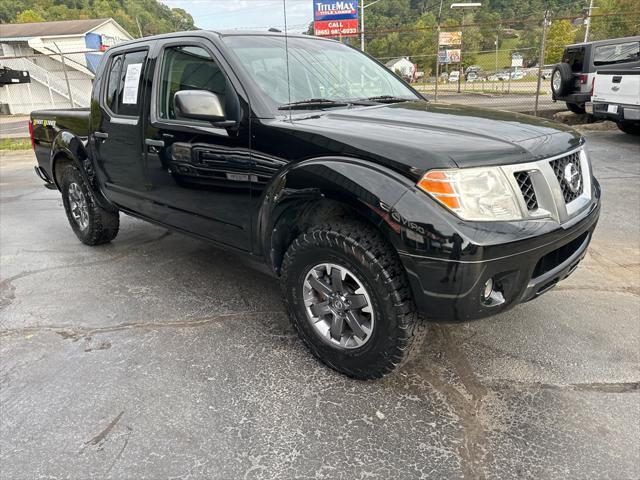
506	77
500	85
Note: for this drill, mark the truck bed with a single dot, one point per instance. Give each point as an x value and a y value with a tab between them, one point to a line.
48	123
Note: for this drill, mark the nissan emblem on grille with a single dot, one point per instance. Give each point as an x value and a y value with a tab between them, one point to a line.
568	171
572	177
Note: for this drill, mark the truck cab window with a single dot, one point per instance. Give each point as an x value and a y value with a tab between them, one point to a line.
123	93
129	89
114	80
188	68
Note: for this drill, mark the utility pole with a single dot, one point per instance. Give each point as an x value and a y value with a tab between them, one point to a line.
463	6
460	67
543	46
139	29
496	44
362	7
362	25
586	30
438	54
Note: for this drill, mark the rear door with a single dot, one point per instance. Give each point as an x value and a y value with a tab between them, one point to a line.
199	174
117	129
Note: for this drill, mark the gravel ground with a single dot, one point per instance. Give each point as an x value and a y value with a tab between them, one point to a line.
158	356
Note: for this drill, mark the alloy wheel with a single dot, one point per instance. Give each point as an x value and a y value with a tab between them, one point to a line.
78	206
338	306
556	80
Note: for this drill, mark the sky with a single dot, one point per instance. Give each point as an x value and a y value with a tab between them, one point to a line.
247	14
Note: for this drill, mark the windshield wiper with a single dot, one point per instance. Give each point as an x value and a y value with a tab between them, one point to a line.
314	102
387	99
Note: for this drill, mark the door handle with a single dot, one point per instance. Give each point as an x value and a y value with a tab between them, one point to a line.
101	135
154	143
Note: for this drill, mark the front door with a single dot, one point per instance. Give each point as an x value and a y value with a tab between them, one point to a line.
199	173
117	131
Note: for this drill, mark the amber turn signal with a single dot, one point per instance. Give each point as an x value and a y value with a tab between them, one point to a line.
437	184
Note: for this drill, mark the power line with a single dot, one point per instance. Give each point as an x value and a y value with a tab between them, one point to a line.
492	23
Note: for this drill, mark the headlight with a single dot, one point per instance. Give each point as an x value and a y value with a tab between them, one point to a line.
481	194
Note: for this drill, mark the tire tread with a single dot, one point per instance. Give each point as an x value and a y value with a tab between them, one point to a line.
363	240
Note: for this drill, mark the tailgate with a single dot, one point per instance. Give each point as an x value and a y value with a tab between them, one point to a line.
617	86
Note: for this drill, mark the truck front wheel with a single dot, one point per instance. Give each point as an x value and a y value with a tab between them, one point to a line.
348	298
92	224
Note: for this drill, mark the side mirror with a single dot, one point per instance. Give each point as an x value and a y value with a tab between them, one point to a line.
199	105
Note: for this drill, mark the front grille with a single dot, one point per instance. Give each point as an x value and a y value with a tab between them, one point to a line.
526	187
569	192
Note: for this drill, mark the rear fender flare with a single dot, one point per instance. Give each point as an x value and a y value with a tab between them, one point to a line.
66	145
296	193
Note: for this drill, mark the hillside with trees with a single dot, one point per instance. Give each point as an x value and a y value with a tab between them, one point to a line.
152	16
408	28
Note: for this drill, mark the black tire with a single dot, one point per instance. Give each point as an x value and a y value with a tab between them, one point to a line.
576	108
96	225
359	249
632	128
563	72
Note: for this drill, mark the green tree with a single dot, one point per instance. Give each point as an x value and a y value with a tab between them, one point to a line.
560	34
422	47
29	16
624	22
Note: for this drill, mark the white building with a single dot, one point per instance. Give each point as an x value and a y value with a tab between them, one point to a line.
36	48
403	67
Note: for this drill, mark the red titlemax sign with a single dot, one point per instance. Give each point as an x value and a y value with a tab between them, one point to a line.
336	28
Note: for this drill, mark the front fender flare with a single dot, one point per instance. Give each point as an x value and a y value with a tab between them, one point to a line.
368	188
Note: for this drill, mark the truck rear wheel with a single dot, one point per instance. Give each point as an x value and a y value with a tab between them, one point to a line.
348	298
92	224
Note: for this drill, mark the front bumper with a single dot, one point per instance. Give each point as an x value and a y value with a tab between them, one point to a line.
451	290
613	111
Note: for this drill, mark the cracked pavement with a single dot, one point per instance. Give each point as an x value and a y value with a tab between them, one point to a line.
158	356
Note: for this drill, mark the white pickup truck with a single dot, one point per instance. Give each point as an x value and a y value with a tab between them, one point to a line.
616	96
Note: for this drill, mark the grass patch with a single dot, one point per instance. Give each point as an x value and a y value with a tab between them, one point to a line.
15	144
487	60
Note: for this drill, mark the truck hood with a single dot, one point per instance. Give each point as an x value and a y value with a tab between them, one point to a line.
422	135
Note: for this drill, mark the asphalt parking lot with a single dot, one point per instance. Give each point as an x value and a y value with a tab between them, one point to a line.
158	356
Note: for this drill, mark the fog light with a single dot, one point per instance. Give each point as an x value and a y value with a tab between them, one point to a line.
488	288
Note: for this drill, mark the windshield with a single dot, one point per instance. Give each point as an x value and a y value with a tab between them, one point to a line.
318	69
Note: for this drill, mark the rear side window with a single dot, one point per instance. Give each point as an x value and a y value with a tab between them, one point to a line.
575	58
114	81
123	95
618	53
188	67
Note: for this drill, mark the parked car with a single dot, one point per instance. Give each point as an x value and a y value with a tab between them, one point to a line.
454	76
366	203
517	75
504	76
472	77
572	78
546	73
616	96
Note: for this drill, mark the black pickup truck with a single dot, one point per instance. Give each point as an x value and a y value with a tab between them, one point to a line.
370	204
